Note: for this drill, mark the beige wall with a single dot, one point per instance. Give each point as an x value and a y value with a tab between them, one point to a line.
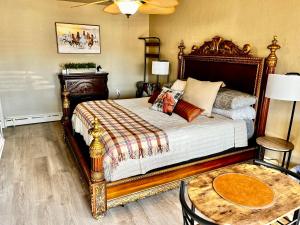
243	21
29	61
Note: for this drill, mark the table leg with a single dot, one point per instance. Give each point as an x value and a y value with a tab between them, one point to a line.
261	153
288	160
283	160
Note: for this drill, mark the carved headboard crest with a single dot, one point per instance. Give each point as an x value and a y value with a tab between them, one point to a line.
220	47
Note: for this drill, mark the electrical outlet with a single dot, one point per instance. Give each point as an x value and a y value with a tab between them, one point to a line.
118	92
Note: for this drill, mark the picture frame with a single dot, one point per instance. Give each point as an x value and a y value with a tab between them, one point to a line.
74	38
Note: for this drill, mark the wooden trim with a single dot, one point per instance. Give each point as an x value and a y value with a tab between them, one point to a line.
143	183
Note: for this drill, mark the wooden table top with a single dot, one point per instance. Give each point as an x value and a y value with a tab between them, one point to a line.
209	203
276	144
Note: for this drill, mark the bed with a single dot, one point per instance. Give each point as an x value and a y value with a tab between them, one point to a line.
224	141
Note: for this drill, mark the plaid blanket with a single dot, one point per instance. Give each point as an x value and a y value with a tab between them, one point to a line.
126	136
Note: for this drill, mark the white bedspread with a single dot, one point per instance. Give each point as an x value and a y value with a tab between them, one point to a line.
199	138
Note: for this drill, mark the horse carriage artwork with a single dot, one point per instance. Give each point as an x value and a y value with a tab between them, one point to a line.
77	38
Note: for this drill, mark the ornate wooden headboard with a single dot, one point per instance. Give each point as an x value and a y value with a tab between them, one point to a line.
222	60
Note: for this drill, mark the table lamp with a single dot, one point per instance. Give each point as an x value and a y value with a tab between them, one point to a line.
160	68
284	87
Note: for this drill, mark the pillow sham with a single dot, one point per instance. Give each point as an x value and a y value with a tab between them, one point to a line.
246	113
232	99
201	93
154	96
250	128
187	110
167	100
179	85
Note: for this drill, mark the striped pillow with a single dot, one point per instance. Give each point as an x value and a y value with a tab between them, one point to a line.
187	110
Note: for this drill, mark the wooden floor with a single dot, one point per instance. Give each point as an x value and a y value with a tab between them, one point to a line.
41	185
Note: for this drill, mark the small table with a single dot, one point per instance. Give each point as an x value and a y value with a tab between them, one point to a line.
277	145
213	206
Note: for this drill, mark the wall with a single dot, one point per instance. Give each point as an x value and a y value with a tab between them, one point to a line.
254	22
29	61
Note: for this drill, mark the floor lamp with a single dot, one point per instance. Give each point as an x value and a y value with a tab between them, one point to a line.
287	88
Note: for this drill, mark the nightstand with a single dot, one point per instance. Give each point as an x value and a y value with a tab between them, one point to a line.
277	145
145	88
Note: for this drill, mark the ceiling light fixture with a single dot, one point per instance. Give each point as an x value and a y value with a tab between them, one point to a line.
128	7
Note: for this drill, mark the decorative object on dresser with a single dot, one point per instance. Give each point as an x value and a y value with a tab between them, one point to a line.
83	87
222	60
75	68
160	68
77	38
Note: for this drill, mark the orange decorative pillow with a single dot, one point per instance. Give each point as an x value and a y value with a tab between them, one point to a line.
154	96
187	110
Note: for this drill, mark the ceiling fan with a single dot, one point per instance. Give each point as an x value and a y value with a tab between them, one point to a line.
130	7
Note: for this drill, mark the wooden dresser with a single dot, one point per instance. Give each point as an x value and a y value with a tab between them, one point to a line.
84	87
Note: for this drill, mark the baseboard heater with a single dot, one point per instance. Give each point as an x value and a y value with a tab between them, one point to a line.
31	119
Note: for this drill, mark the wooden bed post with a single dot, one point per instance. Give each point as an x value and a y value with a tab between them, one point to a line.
180	60
98	183
66	106
271	62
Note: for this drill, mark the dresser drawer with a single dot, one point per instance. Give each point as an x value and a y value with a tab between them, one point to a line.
86	87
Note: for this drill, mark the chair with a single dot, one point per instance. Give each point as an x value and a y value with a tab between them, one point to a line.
296	217
189	215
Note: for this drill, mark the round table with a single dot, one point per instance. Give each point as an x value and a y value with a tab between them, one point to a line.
207	201
277	145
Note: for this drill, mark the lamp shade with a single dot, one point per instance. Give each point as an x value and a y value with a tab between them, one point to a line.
128	7
283	87
160	67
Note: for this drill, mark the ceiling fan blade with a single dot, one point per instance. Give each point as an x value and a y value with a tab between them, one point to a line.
152	9
112	9
162	3
91	3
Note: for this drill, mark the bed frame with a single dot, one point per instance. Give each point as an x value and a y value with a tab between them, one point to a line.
215	60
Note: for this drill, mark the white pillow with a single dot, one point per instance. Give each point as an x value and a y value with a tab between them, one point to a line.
201	94
246	113
232	99
179	85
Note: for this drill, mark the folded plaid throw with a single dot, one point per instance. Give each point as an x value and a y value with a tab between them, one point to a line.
126	136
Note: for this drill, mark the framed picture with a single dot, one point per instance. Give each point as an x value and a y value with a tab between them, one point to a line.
77	38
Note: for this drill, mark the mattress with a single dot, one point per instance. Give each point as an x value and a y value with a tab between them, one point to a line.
201	137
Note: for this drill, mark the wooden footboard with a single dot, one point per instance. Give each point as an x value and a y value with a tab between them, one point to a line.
105	195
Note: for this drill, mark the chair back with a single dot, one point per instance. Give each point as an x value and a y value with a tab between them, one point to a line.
188	214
